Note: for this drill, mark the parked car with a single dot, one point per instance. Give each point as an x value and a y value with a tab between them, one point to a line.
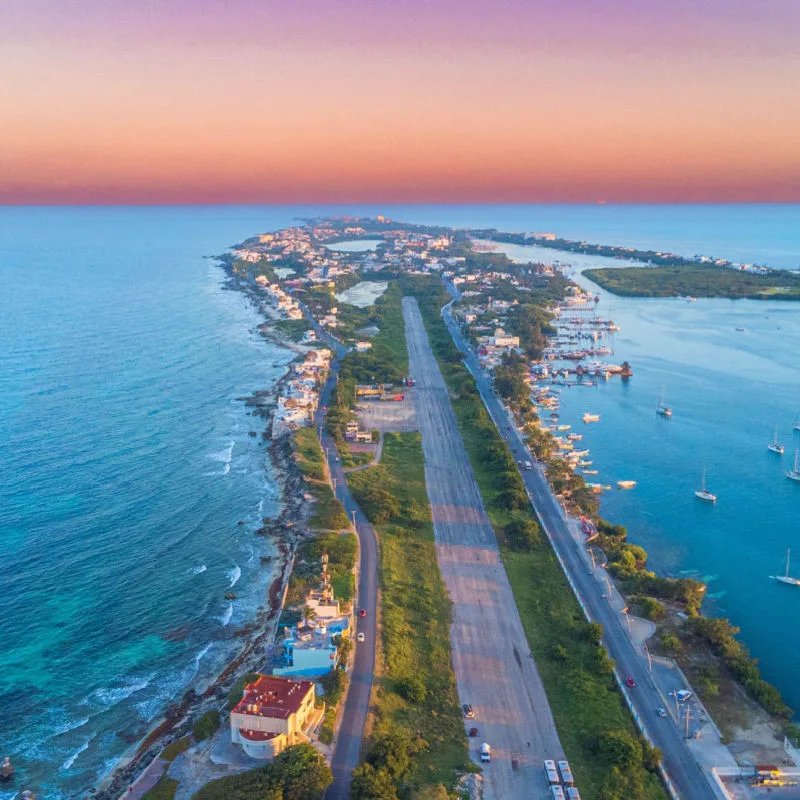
361	637
469	712
662	712
631	682
473	733
683	695
362	612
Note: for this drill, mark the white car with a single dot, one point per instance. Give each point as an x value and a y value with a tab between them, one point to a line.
683	695
361	637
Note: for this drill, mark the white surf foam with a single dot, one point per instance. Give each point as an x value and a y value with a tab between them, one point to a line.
228	613
234	575
197	570
223	457
111	696
70	726
71	760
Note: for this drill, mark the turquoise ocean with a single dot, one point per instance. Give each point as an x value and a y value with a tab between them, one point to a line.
127	462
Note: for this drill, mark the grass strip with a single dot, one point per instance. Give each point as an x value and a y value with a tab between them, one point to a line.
417	692
327	514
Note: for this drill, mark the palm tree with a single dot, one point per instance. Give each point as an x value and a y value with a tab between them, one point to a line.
308	615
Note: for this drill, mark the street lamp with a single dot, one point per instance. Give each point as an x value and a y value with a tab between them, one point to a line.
649	659
627	619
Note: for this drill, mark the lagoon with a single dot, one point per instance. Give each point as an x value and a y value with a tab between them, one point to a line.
355	246
362	294
728	389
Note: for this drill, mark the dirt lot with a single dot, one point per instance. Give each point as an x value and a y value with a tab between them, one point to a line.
388	415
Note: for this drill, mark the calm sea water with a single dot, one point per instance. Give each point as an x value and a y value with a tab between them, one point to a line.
127	462
728	389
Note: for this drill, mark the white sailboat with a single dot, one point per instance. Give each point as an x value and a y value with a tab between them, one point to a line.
661	409
796	425
774	446
794	474
703	494
785	578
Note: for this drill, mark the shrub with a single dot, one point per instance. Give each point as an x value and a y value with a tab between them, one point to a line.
372	784
237	692
206	726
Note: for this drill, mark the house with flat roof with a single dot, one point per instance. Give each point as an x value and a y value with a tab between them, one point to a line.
272	715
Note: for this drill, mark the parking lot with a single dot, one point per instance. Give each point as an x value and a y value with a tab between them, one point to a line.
388	415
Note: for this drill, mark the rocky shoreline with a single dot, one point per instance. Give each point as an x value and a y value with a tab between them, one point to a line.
286	530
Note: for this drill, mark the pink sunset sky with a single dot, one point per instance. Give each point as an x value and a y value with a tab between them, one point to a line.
206	101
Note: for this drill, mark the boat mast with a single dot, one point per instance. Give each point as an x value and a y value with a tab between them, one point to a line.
788	554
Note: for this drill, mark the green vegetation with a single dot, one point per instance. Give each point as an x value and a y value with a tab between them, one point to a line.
720	635
334	684
293	329
575	669
206	725
327	514
308	454
307	572
697	280
237	692
417	691
174	749
298	773
387	361
164	790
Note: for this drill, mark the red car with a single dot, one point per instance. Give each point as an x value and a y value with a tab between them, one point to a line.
631	682
363	612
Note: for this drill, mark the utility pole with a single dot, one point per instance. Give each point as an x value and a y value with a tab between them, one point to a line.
687	720
649	659
354	521
591	553
334	486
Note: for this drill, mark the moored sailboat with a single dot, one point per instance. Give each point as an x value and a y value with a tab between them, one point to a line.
703	494
775	446
786	578
661	409
794	474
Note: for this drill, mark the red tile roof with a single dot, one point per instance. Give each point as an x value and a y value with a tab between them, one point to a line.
274	697
257	736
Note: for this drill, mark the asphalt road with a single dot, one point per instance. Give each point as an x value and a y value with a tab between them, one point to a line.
493	665
686	777
346	754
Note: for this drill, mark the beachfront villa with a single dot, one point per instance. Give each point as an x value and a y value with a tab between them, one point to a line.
272	715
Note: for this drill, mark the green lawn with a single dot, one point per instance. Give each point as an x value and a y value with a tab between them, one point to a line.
418	689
